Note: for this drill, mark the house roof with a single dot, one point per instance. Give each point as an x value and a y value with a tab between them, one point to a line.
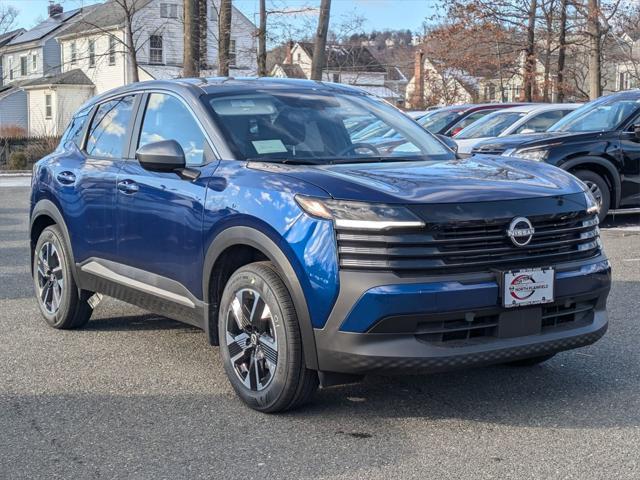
104	15
347	57
71	77
7	36
291	70
45	27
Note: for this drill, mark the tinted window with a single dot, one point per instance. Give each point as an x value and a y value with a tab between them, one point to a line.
108	129
319	127
601	115
542	121
74	130
491	125
468	120
166	118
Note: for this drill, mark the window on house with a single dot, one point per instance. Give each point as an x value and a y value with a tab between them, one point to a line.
92	53
168	10
47	107
335	78
23	66
299	58
34	62
232	53
10	68
112	50
155	49
74	53
108	129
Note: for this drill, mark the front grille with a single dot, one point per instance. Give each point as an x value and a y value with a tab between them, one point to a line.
470	329
489	150
472	246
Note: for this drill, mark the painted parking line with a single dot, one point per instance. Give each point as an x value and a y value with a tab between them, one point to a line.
15	181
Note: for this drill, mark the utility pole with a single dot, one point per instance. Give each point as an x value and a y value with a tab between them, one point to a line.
530	61
320	43
593	27
262	40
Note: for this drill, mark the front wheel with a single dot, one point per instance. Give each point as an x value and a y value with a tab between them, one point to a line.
599	188
61	303
260	342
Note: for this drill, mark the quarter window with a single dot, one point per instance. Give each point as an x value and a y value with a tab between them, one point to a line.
108	129
155	49
74	130
166	118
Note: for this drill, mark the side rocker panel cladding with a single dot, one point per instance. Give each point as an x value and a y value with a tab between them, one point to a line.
247	236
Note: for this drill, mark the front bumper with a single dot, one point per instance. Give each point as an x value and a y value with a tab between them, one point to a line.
382	327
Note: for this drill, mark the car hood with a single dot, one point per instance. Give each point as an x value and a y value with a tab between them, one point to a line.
533	140
478	178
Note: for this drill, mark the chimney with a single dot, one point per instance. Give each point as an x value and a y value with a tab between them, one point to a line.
54	8
418	76
288	59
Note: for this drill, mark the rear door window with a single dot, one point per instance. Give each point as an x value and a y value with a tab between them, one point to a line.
108	131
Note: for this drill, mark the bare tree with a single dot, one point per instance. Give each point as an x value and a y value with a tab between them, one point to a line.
562	50
320	41
595	56
530	59
8	15
191	50
224	37
202	28
262	40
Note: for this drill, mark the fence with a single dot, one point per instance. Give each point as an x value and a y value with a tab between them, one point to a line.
20	153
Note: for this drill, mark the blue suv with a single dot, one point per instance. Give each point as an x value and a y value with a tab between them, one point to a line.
251	209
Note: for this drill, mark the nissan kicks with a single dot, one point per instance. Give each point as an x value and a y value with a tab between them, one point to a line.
244	207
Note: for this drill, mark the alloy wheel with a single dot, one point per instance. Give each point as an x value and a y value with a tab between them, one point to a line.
595	191
50	277
251	339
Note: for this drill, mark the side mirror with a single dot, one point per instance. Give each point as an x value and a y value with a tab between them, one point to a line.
448	141
163	156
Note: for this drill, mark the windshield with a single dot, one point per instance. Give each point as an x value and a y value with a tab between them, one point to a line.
319	127
599	116
435	122
490	126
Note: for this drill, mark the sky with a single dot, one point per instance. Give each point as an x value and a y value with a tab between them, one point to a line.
378	14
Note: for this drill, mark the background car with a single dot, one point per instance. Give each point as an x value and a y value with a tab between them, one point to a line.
450	120
599	143
533	118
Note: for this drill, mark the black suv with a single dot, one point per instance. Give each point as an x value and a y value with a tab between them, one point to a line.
599	143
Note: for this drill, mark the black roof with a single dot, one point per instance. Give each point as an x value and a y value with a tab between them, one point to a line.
7	36
45	27
347	57
104	15
71	77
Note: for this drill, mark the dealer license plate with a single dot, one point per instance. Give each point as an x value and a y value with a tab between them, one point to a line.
527	287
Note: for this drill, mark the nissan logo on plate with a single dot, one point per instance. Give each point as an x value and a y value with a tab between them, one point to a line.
520	231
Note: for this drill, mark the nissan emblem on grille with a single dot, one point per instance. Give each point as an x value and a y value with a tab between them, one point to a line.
520	231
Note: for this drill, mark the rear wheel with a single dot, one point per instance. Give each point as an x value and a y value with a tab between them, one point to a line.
62	305
260	341
530	362
599	189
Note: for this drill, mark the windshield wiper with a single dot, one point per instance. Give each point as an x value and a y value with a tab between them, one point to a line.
289	161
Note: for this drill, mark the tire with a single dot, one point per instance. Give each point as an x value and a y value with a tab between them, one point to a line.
61	303
599	187
260	342
530	362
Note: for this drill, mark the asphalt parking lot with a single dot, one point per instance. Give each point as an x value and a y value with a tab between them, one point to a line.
139	396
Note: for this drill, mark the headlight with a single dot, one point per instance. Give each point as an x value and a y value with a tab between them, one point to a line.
593	207
537	154
359	215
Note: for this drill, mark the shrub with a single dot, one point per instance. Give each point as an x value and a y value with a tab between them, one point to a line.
17	161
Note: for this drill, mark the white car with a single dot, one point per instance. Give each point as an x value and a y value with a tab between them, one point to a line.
532	118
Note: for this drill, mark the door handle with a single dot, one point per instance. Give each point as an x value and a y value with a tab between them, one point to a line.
66	178
128	186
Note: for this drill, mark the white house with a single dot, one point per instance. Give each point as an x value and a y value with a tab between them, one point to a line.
97	45
349	64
